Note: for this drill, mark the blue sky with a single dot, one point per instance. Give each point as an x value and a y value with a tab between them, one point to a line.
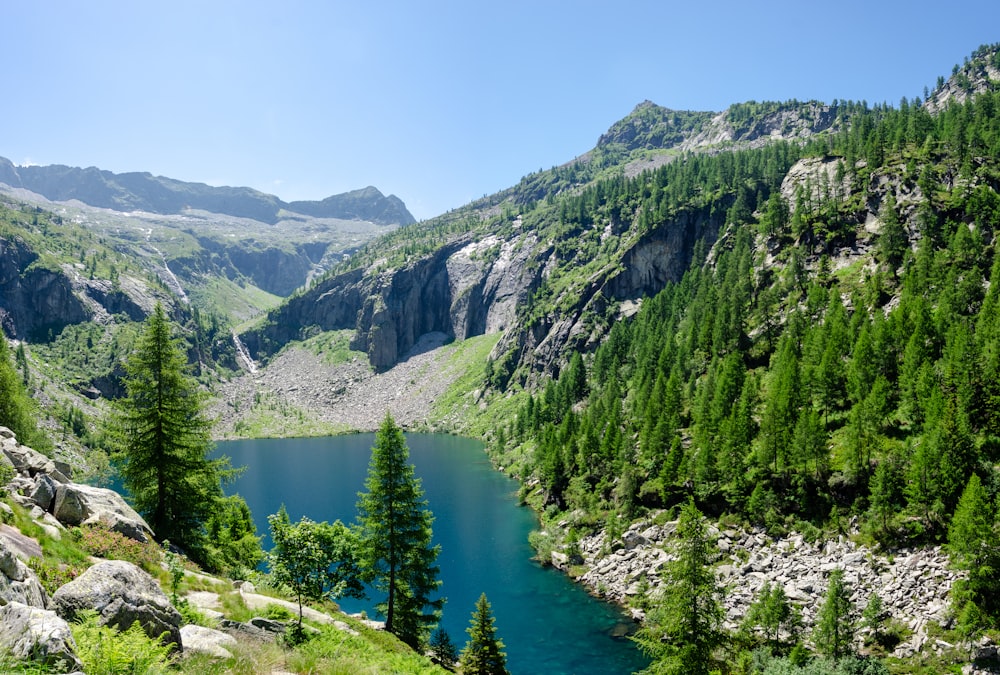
436	102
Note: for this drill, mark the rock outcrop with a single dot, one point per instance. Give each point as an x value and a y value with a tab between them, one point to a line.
76	504
121	594
208	641
38	635
40	484
18	583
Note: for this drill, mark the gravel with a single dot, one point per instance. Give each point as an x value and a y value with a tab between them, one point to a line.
343	397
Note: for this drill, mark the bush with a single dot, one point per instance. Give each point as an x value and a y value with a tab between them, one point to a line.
99	541
53	575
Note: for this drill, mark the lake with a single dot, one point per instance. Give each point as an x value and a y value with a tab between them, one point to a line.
548	623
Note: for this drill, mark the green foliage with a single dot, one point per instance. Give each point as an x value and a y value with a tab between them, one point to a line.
483	653
53	575
683	630
315	560
873	617
394	527
846	666
106	651
232	545
973	537
17	411
771	613
162	436
15	666
443	648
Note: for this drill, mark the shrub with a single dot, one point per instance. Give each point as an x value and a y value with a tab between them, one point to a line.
102	542
53	575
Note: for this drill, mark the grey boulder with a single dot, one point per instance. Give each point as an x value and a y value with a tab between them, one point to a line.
35	634
76	504
121	594
209	641
18	583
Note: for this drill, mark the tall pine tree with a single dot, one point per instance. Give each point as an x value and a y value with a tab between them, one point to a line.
395	548
685	628
162	438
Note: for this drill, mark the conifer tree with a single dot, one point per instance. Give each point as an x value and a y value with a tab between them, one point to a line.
483	653
395	548
685	628
972	538
834	629
443	648
162	438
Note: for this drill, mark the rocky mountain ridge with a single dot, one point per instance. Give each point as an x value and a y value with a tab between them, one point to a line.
142	191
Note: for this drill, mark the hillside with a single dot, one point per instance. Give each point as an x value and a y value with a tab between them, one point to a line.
166	196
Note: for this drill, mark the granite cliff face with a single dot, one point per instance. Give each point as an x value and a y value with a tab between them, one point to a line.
474	286
37	302
452	291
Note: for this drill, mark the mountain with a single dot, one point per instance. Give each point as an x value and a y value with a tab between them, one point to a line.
484	268
166	196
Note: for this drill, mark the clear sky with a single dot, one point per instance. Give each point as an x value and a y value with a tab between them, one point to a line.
436	102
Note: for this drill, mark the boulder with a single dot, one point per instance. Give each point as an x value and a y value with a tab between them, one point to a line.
121	594
77	504
18	583
43	491
207	641
26	461
39	635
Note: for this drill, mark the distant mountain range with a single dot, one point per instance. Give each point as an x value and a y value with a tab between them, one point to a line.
142	191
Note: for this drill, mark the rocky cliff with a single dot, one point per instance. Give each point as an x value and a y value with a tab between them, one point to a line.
38	300
477	285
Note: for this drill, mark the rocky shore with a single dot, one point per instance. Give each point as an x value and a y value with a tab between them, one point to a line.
913	584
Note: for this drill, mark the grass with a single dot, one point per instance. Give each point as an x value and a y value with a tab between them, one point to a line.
333	347
238	302
273	417
329	651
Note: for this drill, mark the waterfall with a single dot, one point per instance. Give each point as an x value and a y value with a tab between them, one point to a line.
243	354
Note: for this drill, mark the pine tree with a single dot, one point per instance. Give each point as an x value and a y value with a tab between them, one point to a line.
834	630
771	612
162	438
972	539
683	630
483	653
443	648
395	548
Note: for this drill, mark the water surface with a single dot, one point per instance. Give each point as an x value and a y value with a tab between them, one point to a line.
548	624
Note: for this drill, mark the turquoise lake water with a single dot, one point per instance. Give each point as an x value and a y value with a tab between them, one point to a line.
548	624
